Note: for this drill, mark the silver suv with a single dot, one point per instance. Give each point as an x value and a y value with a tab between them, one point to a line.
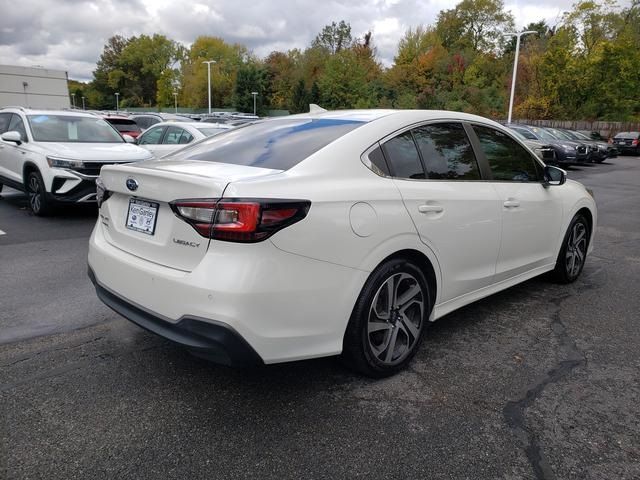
56	155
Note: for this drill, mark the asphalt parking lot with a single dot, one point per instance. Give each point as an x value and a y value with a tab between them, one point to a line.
541	381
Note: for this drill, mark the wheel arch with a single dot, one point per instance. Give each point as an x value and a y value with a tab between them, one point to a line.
27	168
423	262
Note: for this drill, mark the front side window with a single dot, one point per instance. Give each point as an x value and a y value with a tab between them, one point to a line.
17	125
403	157
68	128
151	136
446	152
508	160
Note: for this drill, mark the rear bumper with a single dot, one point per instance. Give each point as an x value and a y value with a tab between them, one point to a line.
286	307
216	342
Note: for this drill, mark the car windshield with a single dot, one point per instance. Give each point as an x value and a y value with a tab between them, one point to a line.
543	134
522	133
559	134
580	136
274	144
68	128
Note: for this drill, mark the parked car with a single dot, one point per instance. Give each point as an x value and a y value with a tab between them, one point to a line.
593	135
541	149
627	142
600	151
331	233
567	151
166	137
55	156
124	125
146	120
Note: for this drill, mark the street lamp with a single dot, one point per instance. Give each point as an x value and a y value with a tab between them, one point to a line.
73	101
209	62
117	102
175	100
254	101
83	107
515	66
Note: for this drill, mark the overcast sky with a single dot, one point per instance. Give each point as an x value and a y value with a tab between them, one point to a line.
70	34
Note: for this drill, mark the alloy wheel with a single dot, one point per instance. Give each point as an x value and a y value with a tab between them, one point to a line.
35	194
576	249
395	318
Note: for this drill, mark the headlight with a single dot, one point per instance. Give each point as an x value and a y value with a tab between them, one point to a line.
57	162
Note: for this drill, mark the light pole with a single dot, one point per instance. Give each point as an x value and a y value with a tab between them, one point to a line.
83	107
73	101
515	66
175	100
209	62
254	101
117	102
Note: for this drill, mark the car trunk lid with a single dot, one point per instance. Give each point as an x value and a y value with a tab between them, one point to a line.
138	219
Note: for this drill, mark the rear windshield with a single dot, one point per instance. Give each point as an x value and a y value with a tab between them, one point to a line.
274	144
123	125
628	135
66	128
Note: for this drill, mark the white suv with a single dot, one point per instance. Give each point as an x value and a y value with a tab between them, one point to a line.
55	156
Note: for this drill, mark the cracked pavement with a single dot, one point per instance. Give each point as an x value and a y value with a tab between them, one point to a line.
540	381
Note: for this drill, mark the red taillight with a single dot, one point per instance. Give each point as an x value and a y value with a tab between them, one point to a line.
634	142
240	220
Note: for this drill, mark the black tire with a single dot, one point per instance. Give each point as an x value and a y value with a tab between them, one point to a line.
39	202
573	252
404	326
1	187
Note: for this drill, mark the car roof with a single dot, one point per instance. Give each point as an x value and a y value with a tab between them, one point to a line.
222	126
30	111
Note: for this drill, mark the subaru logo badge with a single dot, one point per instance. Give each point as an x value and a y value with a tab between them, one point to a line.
132	184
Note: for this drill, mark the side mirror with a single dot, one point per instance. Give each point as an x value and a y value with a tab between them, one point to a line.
128	138
554	175
12	136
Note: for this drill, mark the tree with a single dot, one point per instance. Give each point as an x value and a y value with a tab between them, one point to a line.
474	24
250	78
300	99
334	37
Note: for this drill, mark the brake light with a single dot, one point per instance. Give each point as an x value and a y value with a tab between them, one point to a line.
240	220
634	142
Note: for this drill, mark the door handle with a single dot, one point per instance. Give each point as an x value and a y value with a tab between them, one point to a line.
427	208
511	203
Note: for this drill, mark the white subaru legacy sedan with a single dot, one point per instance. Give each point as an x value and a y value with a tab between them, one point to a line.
331	233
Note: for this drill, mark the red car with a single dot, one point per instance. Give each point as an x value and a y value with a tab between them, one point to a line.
124	125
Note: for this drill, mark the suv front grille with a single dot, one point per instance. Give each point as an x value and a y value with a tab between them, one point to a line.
93	168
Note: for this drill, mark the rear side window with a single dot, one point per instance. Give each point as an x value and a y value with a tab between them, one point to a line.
446	152
403	157
172	137
275	144
5	118
508	160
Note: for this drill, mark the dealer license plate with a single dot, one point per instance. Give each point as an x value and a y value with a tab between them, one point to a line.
142	216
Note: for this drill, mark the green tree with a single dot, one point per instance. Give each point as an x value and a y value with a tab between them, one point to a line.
334	37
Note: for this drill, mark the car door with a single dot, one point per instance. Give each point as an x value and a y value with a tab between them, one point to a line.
12	153
531	212
5	120
152	138
455	213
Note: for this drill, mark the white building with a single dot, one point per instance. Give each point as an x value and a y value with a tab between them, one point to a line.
33	87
